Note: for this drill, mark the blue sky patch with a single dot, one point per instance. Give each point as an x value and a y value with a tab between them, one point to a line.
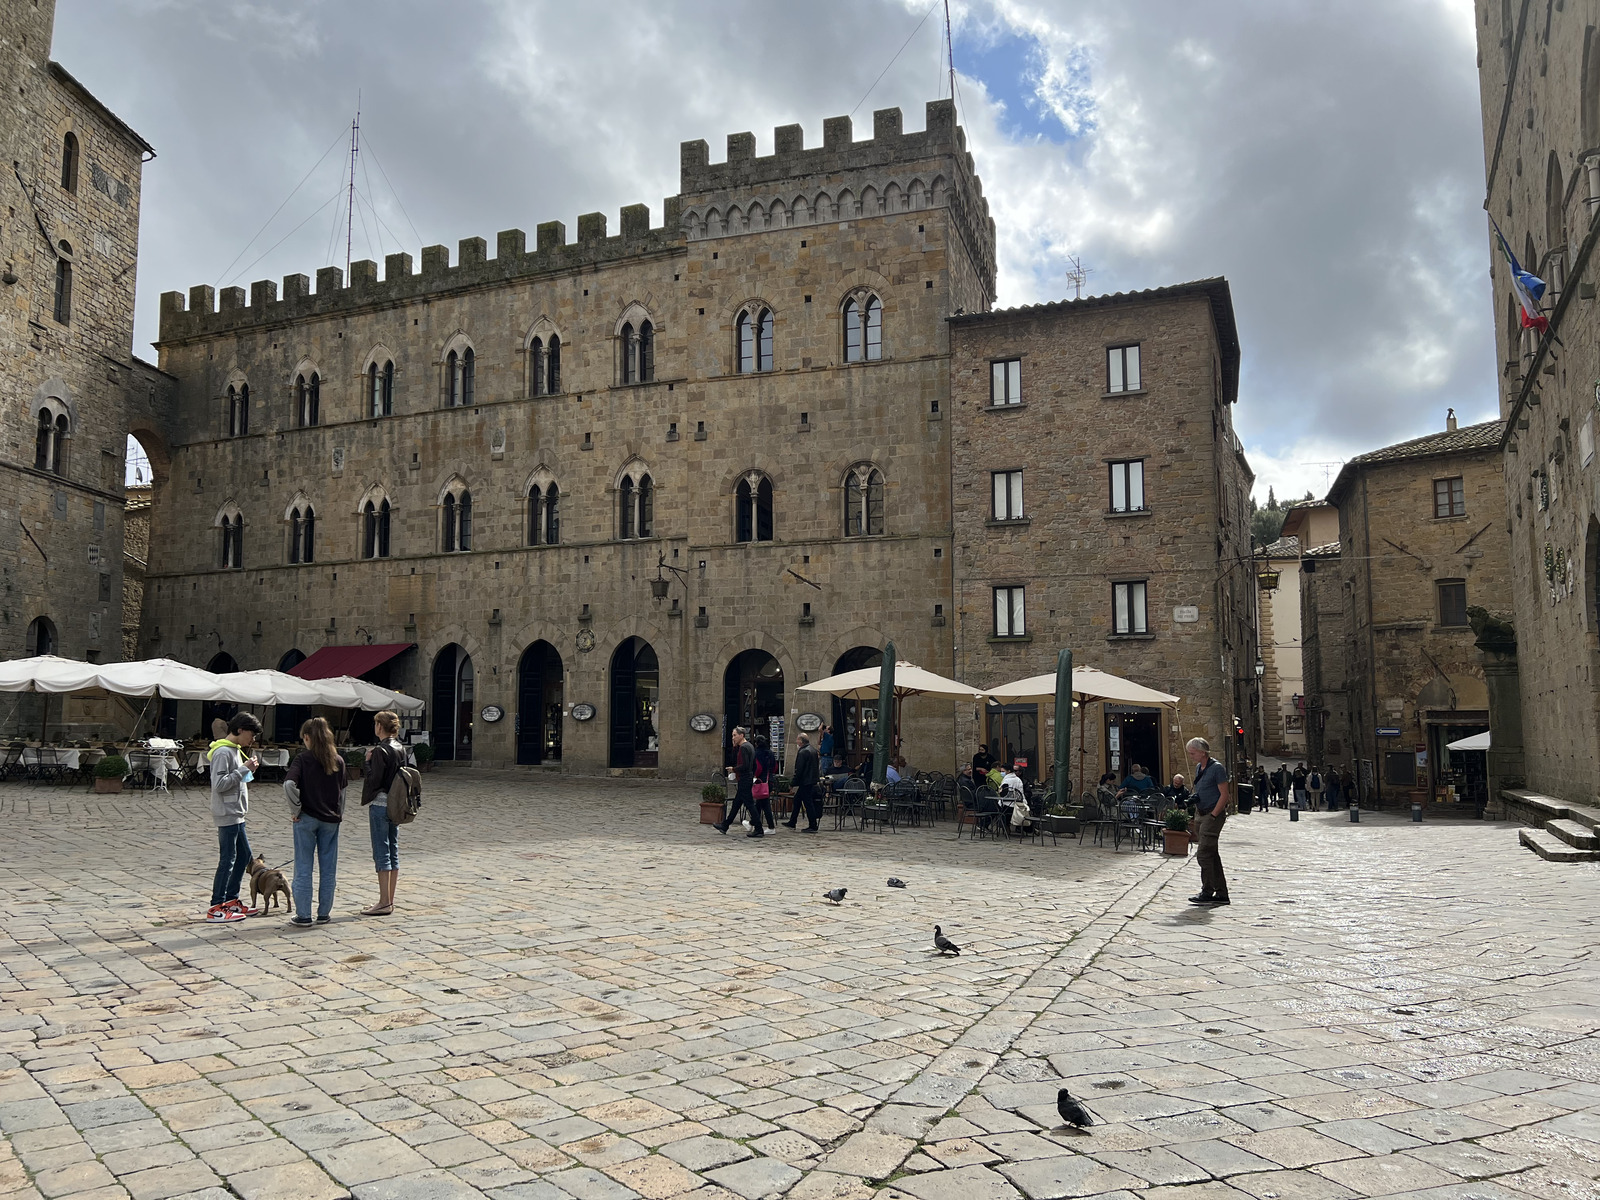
1012	67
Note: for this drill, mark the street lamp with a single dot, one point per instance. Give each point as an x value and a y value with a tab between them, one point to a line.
1261	667
658	585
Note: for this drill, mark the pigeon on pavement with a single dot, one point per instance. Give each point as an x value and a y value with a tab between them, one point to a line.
893	882
944	944
836	895
1072	1112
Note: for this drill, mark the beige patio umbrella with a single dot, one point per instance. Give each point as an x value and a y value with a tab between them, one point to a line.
1088	686
909	680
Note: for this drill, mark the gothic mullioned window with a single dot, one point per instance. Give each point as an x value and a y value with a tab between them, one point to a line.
230	524
50	444
308	399
755	340
863	501
638	346
461	372
636	503
302	534
238	410
380	389
544	514
753	509
863	329
375	528
456	519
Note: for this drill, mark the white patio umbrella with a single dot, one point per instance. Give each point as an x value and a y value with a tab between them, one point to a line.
1088	685
371	696
909	680
48	673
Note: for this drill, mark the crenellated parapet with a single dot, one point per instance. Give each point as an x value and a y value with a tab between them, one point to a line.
208	311
841	180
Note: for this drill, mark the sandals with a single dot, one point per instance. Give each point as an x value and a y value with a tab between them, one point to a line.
378	911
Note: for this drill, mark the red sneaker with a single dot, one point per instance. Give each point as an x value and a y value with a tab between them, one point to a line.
242	909
219	913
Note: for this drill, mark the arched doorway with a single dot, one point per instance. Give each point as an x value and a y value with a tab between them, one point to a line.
288	718
752	694
635	693
855	722
540	680
451	728
212	710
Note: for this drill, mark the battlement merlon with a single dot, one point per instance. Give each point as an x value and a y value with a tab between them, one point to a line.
199	314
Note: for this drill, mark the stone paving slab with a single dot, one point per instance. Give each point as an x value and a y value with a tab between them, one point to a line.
627	1005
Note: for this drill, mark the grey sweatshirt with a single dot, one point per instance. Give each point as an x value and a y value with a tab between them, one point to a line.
230	794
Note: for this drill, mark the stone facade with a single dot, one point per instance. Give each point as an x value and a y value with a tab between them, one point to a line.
69	236
1421	539
1182	533
895	226
1540	86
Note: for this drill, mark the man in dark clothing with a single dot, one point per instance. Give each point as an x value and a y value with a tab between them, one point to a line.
1298	782
982	761
807	773
744	766
1211	798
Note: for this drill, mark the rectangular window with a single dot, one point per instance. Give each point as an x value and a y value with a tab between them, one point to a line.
1449	498
1127	486
1008	616
1452	602
1005	382
1128	608
1122	368
1007	495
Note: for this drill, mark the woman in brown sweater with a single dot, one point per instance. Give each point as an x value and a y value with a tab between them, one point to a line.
315	787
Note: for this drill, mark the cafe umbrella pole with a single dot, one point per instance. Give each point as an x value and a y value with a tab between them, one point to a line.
1063	747
885	730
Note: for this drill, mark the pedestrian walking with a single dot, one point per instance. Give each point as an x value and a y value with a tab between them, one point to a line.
1263	789
807	774
761	788
1297	782
744	773
315	787
231	773
383	763
1347	785
1211	797
1280	785
1315	787
825	748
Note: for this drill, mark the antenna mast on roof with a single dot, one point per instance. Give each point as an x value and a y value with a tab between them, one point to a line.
950	51
350	207
1077	276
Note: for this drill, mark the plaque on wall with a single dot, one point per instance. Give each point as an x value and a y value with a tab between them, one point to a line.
491	713
583	712
808	722
702	722
1186	614
585	640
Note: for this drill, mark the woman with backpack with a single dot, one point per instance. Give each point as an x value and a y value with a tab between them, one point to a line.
315	788
383	763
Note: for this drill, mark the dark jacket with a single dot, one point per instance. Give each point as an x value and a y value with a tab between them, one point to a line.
745	764
315	792
392	756
806	772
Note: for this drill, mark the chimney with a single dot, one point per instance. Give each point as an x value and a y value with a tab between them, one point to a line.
1450	421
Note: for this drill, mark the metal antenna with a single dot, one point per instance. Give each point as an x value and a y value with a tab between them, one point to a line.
1077	276
350	207
950	49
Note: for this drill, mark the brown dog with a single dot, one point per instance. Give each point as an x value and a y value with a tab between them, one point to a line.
266	882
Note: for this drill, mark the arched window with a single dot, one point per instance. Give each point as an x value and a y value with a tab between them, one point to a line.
755	340
42	636
308	400
302	534
647	352
238	410
863	329
232	526
63	310
636	501
380	390
630	354
456	520
863	501
753	502
69	162
544	515
375	529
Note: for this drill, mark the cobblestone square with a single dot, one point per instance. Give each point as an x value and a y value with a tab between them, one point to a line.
583	993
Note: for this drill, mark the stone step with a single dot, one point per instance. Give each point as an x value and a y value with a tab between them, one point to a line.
1549	846
1584	816
1580	837
1547	806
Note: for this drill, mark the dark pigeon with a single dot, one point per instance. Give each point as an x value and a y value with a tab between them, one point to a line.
944	944
893	882
836	895
1072	1112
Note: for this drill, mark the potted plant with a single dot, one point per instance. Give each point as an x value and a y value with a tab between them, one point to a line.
353	760
1058	818
1176	834
711	797
109	773
424	753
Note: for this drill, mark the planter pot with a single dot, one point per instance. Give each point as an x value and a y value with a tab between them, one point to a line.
1176	842
107	785
1055	823
710	812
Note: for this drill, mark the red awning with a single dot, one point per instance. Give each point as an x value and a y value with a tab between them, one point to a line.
331	661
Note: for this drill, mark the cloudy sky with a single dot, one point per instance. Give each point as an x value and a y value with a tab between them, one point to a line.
1324	155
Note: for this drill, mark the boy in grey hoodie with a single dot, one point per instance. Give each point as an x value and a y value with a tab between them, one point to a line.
230	803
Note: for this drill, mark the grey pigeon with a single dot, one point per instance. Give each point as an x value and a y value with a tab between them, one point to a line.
836	895
944	944
893	882
1072	1112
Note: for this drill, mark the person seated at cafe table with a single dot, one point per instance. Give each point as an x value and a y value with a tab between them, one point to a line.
891	773
1137	781
1179	794
1011	782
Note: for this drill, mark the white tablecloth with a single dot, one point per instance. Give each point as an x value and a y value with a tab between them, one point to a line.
62	757
272	758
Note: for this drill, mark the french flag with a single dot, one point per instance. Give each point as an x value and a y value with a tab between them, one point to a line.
1528	286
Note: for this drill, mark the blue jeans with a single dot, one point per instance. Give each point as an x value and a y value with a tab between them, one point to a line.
233	856
321	838
385	838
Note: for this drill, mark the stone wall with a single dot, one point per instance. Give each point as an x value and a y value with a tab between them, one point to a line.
1190	543
61	535
1539	81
